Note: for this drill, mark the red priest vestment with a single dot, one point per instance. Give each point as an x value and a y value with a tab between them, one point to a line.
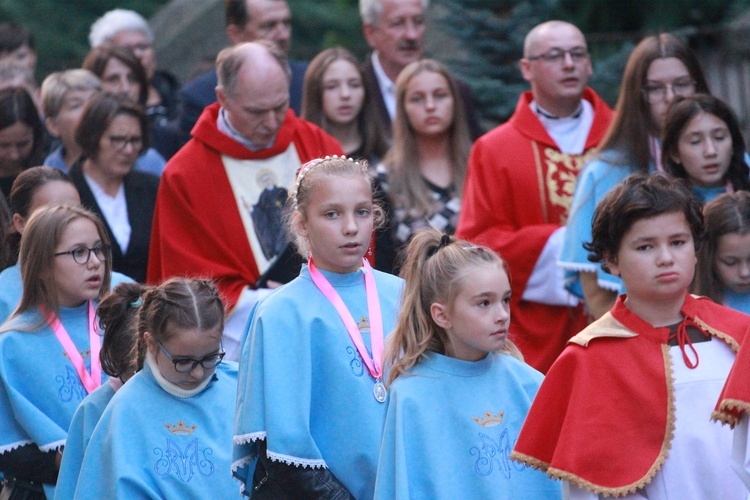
604	415
734	400
519	187
197	229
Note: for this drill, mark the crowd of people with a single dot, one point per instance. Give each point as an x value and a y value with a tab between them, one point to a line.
323	280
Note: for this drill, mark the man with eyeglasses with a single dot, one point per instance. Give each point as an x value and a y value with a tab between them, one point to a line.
395	29
520	183
220	198
247	21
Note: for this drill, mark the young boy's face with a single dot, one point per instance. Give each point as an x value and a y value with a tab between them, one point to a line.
656	258
64	124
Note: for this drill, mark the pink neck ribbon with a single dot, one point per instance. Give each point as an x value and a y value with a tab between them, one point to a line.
374	364
94	379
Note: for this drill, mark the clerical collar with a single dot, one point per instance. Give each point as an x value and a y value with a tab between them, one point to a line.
546	114
227	129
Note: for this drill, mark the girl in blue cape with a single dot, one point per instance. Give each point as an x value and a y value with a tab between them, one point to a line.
118	314
310	404
33	188
723	272
703	144
661	69
167	433
459	390
49	348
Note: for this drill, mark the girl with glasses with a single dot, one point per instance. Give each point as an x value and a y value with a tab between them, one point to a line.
660	69
49	348
112	133
180	405
33	188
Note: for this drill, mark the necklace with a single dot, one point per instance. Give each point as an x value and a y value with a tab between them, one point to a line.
374	363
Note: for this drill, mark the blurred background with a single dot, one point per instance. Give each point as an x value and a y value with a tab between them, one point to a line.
480	40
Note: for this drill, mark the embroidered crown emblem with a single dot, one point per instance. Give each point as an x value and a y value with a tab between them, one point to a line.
490	419
180	428
363	324
84	354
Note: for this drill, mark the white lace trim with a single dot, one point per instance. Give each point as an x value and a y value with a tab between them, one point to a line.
53	446
13	446
613	287
304	462
242	462
578	266
249	438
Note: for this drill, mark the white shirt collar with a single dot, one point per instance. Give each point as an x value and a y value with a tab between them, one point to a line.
387	87
115	211
569	133
222	122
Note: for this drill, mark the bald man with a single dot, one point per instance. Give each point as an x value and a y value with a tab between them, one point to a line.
520	182
218	211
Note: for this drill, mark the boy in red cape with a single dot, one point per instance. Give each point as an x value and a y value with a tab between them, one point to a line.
625	410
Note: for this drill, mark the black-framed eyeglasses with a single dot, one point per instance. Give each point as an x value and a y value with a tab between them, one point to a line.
577	54
81	255
186	365
657	92
120	141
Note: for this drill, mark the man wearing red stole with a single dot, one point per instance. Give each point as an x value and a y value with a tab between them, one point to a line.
520	183
218	210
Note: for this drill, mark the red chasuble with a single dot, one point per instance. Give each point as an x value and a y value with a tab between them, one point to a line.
604	415
197	229
734	400
518	190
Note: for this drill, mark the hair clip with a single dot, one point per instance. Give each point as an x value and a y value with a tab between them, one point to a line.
136	303
445	240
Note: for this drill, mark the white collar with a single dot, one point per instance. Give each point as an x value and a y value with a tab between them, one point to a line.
387	86
168	386
227	129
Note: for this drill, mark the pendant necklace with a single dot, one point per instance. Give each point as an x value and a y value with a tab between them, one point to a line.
375	363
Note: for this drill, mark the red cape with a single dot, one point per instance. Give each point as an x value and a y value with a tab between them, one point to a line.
518	191
197	228
604	415
734	400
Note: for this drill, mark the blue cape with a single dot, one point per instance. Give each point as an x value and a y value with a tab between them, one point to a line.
39	387
81	427
451	426
303	386
151	444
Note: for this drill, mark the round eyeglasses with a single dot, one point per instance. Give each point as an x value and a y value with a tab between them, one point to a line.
186	365
657	92
81	255
557	56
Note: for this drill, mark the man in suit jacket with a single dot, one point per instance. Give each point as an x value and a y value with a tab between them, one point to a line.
394	29
246	21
